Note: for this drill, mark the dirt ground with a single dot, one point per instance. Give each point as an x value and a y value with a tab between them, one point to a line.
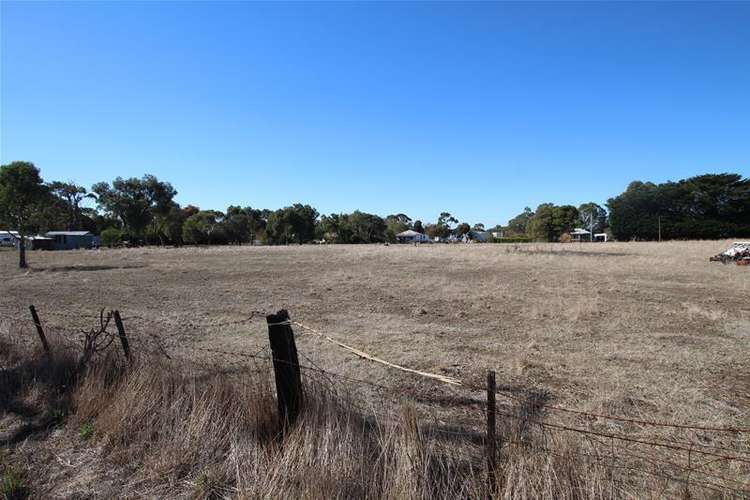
638	330
641	329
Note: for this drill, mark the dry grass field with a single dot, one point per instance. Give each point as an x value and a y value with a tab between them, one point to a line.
644	331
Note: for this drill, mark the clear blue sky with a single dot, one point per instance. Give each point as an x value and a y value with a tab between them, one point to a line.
475	108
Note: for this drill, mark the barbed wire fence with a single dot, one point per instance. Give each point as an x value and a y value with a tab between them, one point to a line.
528	415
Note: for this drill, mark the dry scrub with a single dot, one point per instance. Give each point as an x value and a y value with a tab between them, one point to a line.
169	430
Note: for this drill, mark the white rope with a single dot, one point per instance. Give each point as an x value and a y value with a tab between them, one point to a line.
364	355
281	323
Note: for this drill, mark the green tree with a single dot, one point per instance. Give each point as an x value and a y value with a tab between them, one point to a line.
443	227
418	226
294	224
204	228
111	236
542	226
72	195
237	226
462	229
518	225
592	217
22	197
395	224
550	221
564	220
135	202
701	207
366	228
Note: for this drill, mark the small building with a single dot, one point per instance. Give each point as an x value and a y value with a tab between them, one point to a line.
601	237
8	238
13	239
73	240
38	243
480	236
580	234
411	236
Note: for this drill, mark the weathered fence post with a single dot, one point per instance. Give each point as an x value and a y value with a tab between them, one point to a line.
491	441
39	329
285	367
121	333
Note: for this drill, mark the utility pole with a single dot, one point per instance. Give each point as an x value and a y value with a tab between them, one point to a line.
660	228
591	214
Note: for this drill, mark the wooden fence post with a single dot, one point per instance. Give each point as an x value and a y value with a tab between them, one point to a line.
39	329
121	333
285	367
491	441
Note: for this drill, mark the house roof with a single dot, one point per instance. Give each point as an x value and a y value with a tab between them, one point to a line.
409	232
12	233
68	233
578	231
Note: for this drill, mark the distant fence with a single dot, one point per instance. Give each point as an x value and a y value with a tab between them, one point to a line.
694	463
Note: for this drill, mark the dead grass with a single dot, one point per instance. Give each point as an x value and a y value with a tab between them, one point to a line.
169	431
650	331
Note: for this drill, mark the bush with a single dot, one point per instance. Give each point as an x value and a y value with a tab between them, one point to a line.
512	239
12	486
111	237
86	430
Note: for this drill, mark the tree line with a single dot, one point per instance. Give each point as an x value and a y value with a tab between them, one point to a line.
143	211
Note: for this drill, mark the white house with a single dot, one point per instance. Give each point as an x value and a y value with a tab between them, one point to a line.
410	236
579	234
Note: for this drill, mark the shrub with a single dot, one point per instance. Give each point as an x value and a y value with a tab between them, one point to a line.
12	486
111	237
86	430
512	239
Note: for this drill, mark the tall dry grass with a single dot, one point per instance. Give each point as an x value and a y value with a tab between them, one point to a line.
173	431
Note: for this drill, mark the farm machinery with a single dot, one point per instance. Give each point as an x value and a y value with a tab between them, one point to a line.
739	252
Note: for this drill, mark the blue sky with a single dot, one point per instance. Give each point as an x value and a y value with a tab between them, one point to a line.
479	109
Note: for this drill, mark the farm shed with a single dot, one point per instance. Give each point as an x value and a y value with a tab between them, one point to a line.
8	238
411	236
73	240
38	243
11	239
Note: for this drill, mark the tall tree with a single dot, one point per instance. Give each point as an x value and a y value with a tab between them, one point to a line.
551	221
541	226
204	228
592	217
396	223
701	207
22	195
294	224
462	229
72	195
135	202
443	226
518	225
